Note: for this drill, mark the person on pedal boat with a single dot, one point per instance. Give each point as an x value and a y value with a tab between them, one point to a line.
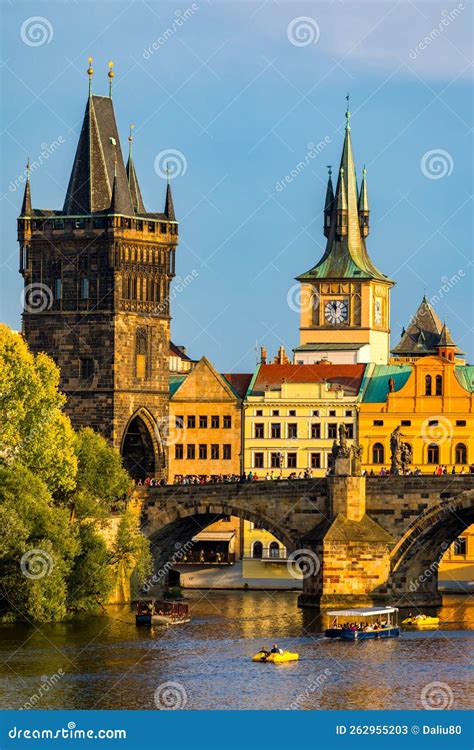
276	650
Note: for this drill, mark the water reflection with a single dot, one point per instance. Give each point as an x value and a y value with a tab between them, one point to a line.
109	663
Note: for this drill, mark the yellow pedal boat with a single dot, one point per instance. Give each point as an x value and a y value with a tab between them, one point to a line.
262	656
420	621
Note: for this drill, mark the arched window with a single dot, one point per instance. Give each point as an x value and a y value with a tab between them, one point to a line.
439	385
461	454
141	353
85	289
378	454
433	453
274	549
257	550
428	385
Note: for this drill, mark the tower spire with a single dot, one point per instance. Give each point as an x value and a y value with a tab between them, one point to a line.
328	202
169	206
111	76
26	209
363	205
133	186
90	73
348	114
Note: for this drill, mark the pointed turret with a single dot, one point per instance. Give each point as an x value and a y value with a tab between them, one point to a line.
346	255
90	184
26	209
364	206
134	187
446	346
328	203
169	206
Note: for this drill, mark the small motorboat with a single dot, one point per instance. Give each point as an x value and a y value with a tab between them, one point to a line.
264	656
364	624
161	612
416	622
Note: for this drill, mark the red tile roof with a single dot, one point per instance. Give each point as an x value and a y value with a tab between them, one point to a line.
271	377
239	382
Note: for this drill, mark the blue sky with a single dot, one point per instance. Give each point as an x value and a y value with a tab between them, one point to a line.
240	90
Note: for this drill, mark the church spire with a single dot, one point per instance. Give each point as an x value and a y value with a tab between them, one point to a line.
364	205
328	203
169	207
346	254
26	209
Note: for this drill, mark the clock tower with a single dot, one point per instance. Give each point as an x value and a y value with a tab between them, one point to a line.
345	299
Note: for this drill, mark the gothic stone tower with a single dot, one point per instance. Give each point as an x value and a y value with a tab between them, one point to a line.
97	277
345	299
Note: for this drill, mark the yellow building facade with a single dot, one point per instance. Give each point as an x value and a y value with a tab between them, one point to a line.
292	417
205	436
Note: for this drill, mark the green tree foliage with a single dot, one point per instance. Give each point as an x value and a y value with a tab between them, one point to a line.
56	491
34	431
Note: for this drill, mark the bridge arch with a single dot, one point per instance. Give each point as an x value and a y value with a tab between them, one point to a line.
141	447
415	558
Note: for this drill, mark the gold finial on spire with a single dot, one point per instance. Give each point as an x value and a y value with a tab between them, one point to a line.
90	73
111	75
348	113
28	168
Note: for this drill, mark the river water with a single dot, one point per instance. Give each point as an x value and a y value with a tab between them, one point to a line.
106	662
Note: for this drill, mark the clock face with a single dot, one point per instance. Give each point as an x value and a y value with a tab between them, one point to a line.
378	312
336	311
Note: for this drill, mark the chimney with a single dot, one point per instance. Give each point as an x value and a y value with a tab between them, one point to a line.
263	355
281	358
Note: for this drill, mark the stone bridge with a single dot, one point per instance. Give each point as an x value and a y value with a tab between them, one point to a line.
374	539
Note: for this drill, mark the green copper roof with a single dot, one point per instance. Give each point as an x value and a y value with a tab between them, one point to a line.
377	386
346	257
465	376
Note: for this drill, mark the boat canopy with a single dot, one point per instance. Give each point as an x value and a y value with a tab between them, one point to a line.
363	612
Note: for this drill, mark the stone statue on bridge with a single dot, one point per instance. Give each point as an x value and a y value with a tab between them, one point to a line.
395	451
405	456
